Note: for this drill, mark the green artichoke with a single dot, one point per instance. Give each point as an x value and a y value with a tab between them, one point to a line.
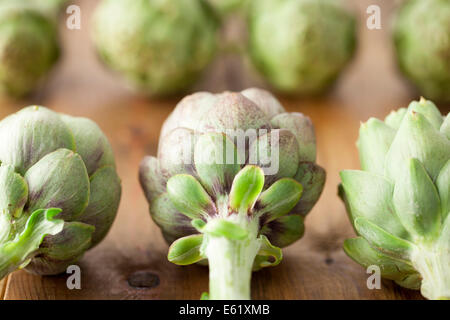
422	42
227	6
29	46
160	46
300	46
60	190
234	179
399	203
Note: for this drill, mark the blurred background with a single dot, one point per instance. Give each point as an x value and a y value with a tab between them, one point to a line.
314	267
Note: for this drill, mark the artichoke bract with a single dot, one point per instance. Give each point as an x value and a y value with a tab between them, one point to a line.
160	46
422	43
29	46
300	46
399	203
234	178
60	190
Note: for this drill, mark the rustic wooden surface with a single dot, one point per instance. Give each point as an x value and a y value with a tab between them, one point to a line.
313	268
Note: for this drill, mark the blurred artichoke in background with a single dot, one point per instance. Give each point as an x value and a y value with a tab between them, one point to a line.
29	45
300	46
160	46
60	190
227	6
234	178
422	42
399	203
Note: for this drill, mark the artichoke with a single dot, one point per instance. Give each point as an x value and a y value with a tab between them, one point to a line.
422	43
227	6
60	190
29	46
160	46
233	181
399	203
300	46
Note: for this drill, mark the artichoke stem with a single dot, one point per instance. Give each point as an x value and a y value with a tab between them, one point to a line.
230	265
434	267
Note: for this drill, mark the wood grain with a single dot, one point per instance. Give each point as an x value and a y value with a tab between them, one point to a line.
313	268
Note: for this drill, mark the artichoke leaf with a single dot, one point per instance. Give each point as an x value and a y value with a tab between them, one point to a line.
303	130
443	186
285	230
223	228
312	177
92	144
383	240
395	118
188	112
14	192
233	112
429	110
186	250
15	253
375	138
151	178
411	281
247	186
30	134
265	101
173	223
268	255
417	202
59	180
216	162
391	268
445	128
417	138
105	192
279	199
189	197
277	153
369	195
176	152
73	240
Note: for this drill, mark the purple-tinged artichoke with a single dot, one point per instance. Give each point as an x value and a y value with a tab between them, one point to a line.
234	178
59	190
399	203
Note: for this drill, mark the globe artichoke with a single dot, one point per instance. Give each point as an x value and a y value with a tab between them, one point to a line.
234	179
60	190
160	46
422	43
300	46
399	203
227	6
29	46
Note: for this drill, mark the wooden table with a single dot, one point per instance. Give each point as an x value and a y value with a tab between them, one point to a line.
313	268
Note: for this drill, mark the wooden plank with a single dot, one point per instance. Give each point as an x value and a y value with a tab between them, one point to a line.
3	284
313	268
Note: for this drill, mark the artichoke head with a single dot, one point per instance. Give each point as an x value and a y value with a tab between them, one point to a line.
399	202
60	190
300	46
234	178
159	46
228	6
422	43
29	46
